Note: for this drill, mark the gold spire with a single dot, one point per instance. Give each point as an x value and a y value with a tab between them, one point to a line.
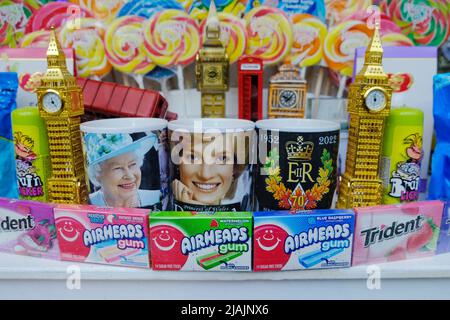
373	64
55	54
212	26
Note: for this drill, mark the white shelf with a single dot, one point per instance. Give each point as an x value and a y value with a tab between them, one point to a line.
26	277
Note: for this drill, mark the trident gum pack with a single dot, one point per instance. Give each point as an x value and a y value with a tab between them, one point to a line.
28	228
397	232
103	235
444	238
200	241
303	240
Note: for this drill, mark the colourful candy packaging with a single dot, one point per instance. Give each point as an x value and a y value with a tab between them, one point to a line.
103	235
28	228
303	240
440	172
397	232
8	92
444	238
192	241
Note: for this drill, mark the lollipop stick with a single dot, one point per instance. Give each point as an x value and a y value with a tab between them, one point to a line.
303	73
317	91
125	79
180	78
139	78
342	83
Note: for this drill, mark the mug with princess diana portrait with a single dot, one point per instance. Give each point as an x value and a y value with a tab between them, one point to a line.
211	164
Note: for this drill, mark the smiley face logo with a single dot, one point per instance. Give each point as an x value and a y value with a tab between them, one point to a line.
165	246
268	247
70	238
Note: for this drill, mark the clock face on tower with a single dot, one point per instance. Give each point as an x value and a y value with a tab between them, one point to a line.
287	99
51	102
212	75
375	100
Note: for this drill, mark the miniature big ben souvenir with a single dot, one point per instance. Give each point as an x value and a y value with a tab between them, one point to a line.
61	106
287	93
212	68
369	106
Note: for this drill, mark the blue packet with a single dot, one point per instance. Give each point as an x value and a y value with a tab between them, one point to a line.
440	171
147	9
8	93
291	7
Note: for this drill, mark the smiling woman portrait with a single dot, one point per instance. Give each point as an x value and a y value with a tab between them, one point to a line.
114	164
211	170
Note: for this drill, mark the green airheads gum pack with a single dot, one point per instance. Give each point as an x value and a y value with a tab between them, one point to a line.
191	241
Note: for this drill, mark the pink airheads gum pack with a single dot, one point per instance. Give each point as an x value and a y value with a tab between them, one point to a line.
103	235
397	232
28	228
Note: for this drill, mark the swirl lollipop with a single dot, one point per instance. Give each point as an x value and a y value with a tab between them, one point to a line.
339	10
341	42
309	37
87	40
233	35
390	33
36	39
12	23
55	14
270	35
171	37
425	22
102	9
124	44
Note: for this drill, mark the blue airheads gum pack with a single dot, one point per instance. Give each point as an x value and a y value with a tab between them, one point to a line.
305	240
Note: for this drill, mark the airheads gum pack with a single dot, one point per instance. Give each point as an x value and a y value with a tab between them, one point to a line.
396	232
444	238
28	228
191	241
303	240
103	235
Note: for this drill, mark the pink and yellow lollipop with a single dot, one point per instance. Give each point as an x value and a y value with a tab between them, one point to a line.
233	35
309	37
171	38
341	43
86	35
270	35
102	9
339	10
36	39
124	44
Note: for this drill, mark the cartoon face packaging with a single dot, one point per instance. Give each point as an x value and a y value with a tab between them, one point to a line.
103	235
304	240
201	242
444	238
28	228
396	232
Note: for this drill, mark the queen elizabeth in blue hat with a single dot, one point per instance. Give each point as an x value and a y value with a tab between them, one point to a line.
114	164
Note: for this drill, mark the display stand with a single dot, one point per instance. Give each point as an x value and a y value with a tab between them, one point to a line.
32	278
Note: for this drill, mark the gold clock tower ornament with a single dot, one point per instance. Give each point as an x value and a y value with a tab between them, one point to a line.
287	93
212	68
369	106
61	106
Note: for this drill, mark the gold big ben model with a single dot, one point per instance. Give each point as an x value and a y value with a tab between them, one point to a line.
61	105
369	105
212	68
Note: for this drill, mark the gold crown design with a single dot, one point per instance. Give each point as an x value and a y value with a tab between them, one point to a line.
300	150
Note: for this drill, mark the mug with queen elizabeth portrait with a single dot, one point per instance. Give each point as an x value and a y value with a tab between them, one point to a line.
211	164
126	162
